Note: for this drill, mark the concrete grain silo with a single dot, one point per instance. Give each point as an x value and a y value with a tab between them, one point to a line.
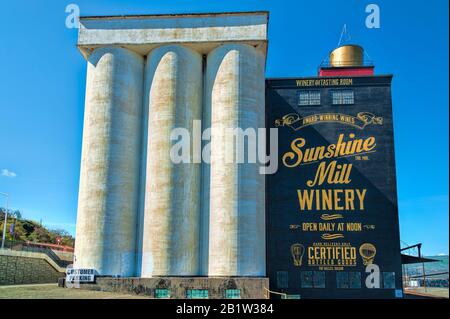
234	82
109	178
141	214
172	208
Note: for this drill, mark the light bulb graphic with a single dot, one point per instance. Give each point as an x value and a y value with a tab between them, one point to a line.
297	251
367	252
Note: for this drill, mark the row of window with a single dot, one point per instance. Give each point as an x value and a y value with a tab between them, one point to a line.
344	280
338	97
198	294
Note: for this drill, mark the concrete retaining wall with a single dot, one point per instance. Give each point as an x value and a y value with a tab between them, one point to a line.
64	255
182	219
18	268
250	287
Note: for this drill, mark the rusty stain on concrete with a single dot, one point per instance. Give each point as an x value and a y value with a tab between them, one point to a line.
139	214
172	207
109	178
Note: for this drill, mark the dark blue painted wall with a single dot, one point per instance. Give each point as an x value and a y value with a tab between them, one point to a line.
374	172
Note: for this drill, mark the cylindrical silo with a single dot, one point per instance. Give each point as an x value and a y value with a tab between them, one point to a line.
347	56
173	89
109	177
235	97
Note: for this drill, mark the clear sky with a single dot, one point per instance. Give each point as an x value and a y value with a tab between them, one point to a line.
42	88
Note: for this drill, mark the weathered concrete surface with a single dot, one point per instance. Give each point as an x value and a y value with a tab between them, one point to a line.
64	255
109	178
20	267
202	31
121	175
251	288
235	98
172	208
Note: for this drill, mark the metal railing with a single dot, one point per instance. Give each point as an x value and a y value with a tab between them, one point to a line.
327	64
24	246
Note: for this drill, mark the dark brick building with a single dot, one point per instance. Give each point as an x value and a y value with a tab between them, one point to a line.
332	217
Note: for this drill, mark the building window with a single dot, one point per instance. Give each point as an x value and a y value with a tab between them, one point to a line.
345	280
341	97
197	294
233	294
389	280
354	279
342	280
312	279
319	279
162	293
282	279
307	279
306	98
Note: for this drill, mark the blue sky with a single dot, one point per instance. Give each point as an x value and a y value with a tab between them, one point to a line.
43	78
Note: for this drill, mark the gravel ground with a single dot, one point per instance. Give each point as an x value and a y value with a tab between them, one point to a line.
432	292
52	291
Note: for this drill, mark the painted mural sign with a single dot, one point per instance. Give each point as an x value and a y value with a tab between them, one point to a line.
332	205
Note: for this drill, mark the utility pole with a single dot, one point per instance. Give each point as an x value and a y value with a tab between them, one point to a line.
6	219
423	269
